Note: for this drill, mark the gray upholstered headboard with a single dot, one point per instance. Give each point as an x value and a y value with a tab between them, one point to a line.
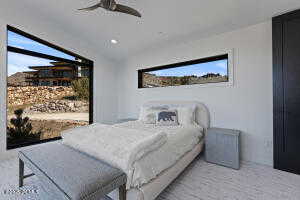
202	114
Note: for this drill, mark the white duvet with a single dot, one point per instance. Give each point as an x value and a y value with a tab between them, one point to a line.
120	147
141	150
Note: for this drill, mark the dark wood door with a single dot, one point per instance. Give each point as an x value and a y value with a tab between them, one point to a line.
286	55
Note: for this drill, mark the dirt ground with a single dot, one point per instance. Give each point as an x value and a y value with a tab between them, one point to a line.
53	128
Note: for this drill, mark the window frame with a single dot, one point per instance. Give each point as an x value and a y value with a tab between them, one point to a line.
221	56
87	63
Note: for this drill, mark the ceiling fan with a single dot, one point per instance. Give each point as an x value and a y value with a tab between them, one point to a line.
111	5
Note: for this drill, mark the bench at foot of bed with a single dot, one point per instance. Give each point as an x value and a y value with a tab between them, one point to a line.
65	173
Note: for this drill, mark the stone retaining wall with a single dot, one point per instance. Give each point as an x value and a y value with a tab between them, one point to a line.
36	94
58	106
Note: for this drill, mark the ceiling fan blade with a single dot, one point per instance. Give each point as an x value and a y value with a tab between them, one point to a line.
127	10
98	5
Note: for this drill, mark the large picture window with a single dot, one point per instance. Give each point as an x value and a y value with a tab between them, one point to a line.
201	71
49	90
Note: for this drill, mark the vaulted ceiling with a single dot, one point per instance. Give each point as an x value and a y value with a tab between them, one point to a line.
163	21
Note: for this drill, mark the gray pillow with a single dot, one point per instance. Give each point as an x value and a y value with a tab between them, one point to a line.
167	118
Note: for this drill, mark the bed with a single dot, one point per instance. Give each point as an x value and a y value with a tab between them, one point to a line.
152	189
155	171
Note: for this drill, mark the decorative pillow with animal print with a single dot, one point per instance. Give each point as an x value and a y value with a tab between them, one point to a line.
167	118
148	114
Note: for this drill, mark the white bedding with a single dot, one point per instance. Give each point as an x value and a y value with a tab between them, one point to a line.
181	139
152	189
149	163
120	147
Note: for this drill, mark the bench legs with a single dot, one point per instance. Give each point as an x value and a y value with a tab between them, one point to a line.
21	173
122	192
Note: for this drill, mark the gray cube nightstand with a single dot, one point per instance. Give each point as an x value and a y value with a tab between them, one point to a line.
222	146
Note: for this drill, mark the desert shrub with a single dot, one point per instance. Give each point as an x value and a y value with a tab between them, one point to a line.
21	129
71	98
184	80
82	88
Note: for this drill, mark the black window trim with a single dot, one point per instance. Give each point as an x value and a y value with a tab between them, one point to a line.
44	42
87	62
181	64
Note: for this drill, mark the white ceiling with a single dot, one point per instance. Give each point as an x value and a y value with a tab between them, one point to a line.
163	21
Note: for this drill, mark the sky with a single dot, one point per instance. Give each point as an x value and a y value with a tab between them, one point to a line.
19	62
219	66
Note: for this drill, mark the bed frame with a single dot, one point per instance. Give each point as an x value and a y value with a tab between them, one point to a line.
152	189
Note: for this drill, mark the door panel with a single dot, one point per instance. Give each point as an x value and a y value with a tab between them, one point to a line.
287	87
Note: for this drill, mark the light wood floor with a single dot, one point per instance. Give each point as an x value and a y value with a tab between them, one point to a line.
200	181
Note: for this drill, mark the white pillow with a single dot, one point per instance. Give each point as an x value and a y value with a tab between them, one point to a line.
187	115
167	118
148	113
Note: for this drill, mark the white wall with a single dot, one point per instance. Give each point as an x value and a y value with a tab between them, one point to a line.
247	105
105	97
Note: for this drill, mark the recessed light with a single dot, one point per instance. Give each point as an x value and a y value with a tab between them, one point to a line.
114	41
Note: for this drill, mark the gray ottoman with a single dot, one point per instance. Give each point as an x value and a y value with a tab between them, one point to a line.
65	173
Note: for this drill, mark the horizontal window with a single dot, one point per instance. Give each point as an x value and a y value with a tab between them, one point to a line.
201	71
